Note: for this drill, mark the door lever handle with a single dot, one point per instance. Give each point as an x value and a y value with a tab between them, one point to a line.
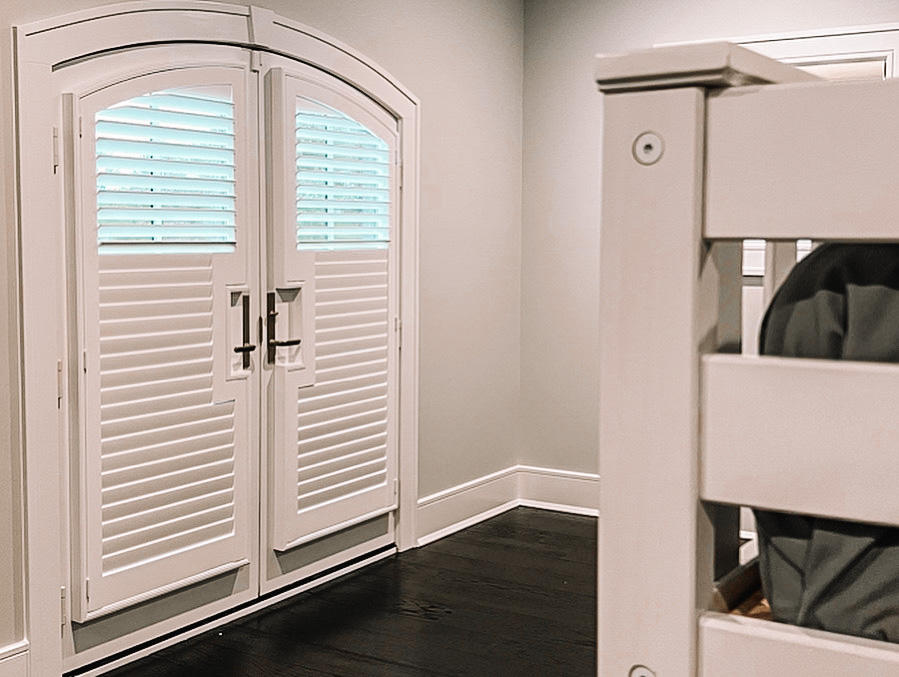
273	343
281	344
246	348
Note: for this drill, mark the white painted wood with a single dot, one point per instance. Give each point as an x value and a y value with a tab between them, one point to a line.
711	64
834	162
455	508
650	532
430	516
15	666
561	490
165	438
862	51
13	649
832	465
813	436
60	43
753	312
334	395
64	38
39	206
285	36
748	647
780	257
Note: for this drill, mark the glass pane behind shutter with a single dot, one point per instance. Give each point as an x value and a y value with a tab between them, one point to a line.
165	169
343	181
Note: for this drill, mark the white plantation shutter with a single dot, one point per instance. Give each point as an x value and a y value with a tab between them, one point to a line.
343	181
165	430
165	168
342	420
336	442
166	450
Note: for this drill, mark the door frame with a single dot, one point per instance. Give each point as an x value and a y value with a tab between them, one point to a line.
43	50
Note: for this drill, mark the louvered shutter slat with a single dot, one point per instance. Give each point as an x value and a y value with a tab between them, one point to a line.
165	170
113	184
342	420
132	523
163	547
162	465
343	410
338	153
167	451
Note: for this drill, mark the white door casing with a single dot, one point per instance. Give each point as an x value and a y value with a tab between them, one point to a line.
67	54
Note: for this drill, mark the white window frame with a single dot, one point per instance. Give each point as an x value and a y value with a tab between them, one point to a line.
43	51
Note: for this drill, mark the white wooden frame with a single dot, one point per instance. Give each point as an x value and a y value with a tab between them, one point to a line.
238	270
287	82
660	286
43	51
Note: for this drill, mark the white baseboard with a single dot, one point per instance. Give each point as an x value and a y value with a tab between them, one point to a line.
450	510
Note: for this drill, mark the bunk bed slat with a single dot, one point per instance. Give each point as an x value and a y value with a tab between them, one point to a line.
803	161
813	436
747	647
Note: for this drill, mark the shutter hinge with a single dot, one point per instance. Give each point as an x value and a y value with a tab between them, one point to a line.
396	488
58	384
84	361
398	328
62	605
87	589
80	130
55	149
257	62
399	172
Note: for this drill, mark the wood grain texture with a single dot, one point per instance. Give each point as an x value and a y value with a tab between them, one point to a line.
515	595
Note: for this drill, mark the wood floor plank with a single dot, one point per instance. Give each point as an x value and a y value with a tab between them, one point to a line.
514	595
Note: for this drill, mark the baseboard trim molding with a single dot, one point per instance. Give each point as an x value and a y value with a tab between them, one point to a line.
558	507
465	523
445	512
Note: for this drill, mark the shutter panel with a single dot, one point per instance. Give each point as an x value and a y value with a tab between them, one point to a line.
166	451
335	440
342	419
165	168
343	181
165	459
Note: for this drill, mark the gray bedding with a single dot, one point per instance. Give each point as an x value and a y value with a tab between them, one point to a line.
840	302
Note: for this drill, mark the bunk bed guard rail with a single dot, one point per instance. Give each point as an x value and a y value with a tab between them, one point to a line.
705	145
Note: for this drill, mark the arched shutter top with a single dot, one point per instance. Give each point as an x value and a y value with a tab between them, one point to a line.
166	169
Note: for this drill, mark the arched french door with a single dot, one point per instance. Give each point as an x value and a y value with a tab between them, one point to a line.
201	285
218	257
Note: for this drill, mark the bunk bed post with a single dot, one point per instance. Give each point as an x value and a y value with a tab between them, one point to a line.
665	298
650	258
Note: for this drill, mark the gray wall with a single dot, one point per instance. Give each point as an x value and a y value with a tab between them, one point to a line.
560	234
463	59
508	281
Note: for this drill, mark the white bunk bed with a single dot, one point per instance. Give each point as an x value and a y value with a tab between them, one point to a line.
703	146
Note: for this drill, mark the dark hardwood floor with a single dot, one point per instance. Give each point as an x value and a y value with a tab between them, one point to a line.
515	595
